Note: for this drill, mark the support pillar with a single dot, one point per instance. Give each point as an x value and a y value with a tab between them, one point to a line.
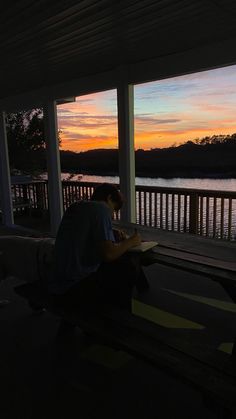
125	96
54	167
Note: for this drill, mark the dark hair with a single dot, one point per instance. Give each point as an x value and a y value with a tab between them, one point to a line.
102	192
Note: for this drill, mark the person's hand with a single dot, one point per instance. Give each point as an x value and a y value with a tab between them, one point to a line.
135	239
119	235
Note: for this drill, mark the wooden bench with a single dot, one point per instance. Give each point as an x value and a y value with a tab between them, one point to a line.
214	380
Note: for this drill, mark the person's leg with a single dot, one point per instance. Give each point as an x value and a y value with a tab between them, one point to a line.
141	282
82	297
117	279
111	285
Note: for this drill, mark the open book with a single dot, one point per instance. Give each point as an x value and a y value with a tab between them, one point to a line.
143	247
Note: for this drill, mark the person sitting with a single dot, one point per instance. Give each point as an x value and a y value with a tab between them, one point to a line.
92	268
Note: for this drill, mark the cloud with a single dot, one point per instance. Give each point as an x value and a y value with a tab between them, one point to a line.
88	121
64	112
84	100
78	136
139	119
166	111
210	107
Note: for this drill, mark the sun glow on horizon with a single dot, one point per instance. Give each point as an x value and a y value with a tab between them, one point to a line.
167	112
90	122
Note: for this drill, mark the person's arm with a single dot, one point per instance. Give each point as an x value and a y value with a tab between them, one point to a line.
111	251
119	235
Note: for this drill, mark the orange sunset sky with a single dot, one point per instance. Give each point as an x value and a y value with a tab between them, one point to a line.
167	112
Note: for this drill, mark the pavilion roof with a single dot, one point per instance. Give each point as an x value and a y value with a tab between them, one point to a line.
62	48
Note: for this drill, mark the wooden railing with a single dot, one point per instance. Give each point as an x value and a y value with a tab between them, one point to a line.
204	212
28	196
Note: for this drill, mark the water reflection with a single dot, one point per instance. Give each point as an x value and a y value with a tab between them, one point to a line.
195	183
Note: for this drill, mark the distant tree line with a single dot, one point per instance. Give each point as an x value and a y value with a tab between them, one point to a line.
211	156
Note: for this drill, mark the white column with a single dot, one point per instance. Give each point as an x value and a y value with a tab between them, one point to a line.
125	99
54	167
5	179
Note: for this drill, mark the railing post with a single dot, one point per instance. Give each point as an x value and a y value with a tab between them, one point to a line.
25	198
40	198
193	213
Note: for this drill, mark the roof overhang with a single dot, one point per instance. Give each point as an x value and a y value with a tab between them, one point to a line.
52	50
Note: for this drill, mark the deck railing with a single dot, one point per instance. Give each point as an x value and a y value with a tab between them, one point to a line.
31	195
208	213
197	211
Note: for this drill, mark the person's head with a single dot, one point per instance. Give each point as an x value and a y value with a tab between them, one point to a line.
110	194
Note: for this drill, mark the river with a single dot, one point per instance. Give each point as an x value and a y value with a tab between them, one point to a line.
195	183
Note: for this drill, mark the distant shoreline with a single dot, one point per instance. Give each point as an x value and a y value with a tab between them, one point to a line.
213	158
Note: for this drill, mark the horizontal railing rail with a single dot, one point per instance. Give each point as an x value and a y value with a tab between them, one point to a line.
210	213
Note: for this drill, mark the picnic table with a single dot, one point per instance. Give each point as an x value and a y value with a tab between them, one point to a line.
213	258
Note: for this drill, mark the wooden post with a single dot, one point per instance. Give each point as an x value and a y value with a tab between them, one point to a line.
125	98
5	179
193	213
40	199
54	169
26	198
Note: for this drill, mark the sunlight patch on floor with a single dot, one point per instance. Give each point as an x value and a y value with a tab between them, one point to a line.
220	304
226	347
106	356
162	318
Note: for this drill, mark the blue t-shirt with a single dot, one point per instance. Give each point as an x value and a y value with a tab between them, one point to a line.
84	225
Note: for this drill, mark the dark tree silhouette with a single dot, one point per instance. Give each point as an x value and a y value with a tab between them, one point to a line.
25	131
26	139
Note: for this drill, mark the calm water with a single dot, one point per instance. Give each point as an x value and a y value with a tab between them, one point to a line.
212	184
